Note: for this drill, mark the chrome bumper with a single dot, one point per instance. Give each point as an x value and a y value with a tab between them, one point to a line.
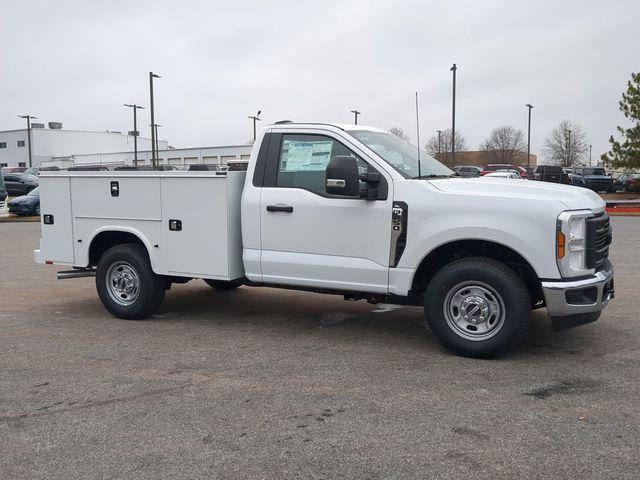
555	293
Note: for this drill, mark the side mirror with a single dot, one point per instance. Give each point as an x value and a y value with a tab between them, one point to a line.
342	176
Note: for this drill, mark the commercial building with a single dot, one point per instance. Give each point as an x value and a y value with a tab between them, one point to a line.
179	157
483	157
53	142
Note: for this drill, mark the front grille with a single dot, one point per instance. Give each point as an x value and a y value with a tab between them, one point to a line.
599	184
598	240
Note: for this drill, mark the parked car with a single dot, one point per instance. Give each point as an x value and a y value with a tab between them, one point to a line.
551	173
477	254
3	191
14	169
503	174
494	167
237	165
145	168
28	204
593	178
467	171
32	171
20	183
88	168
627	182
203	167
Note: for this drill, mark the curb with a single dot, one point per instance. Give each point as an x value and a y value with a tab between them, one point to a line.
15	218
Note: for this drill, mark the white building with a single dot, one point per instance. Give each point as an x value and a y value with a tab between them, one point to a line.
179	157
50	143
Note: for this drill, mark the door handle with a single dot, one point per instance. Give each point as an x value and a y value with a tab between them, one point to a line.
279	208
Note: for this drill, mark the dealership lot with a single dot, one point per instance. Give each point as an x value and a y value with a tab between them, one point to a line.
264	383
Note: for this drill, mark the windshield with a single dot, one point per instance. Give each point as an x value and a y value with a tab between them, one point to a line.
402	156
35	192
28	177
594	171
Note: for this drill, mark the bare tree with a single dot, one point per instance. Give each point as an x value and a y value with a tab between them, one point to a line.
441	148
566	145
398	132
504	145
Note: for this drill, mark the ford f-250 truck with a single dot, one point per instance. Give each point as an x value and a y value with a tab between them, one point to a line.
346	210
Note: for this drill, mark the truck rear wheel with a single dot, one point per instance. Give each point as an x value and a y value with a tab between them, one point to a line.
126	284
222	284
478	307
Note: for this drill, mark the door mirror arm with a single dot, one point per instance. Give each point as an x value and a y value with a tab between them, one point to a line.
371	190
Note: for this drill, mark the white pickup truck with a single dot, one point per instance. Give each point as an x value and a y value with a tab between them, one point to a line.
340	209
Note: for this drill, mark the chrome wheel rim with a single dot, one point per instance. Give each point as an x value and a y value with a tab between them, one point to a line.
123	283
474	311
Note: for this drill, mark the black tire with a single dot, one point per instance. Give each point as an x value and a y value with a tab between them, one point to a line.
222	284
505	290
150	287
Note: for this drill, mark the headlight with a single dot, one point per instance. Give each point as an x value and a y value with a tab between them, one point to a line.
571	243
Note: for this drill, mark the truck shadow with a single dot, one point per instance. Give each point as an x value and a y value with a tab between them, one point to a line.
302	312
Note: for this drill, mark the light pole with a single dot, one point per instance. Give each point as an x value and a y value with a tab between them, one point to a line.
255	118
356	113
135	130
153	139
28	117
453	69
155	131
568	148
589	154
439	143
529	106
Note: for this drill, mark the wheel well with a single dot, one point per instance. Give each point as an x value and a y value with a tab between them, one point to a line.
449	252
105	240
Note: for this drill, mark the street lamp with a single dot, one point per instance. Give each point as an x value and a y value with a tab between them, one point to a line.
356	113
28	117
255	118
153	139
453	69
155	131
135	130
529	106
568	148
439	143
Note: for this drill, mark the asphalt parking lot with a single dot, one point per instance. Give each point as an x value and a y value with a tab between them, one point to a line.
263	383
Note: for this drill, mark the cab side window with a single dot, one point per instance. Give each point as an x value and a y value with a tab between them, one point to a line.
303	161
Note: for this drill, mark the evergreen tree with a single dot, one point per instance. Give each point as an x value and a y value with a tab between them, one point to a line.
626	152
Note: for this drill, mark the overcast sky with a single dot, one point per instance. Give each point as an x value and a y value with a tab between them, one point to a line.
78	61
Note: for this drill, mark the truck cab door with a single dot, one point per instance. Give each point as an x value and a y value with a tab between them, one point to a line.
313	239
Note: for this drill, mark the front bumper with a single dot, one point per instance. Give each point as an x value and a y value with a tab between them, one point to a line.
20	209
574	302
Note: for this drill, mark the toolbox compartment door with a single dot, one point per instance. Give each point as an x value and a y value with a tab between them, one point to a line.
56	244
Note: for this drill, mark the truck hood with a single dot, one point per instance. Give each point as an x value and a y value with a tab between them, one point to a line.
574	198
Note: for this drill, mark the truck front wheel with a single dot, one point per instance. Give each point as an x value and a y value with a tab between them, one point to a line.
126	284
478	307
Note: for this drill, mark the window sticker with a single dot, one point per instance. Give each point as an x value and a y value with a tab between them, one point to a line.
303	156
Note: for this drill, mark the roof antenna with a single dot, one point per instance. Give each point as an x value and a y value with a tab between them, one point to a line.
418	135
